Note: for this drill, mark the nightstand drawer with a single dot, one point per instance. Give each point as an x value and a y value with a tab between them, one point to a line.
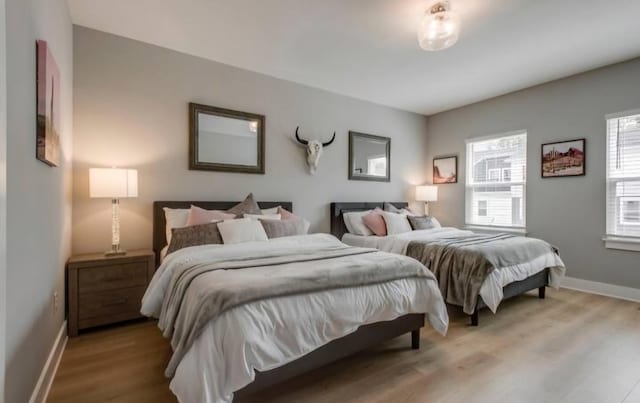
112	277
110	306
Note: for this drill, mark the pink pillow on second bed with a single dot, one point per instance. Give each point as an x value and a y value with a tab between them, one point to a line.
199	216
375	222
285	214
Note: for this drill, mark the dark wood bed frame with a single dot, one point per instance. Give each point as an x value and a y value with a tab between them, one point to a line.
365	337
539	280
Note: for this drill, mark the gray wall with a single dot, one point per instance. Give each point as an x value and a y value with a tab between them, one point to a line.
131	111
3	194
568	212
39	197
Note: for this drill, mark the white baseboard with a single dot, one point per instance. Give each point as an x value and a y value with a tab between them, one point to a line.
50	368
608	290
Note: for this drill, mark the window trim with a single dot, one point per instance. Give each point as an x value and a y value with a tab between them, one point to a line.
622	242
495	136
618	115
515	229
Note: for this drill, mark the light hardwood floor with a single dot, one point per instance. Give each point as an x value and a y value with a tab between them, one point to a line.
571	347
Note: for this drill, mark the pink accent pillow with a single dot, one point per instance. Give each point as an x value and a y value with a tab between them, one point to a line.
285	214
199	216
288	215
375	222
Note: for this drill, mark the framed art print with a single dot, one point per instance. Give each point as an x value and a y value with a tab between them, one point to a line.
445	170
48	106
563	158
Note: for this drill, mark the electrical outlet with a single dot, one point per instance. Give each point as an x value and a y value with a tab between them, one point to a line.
55	301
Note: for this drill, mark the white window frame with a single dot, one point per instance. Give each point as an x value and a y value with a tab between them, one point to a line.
520	230
617	241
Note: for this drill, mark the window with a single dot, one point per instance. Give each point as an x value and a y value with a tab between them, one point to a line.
630	210
494	175
482	208
496	184
623	175
377	166
506	174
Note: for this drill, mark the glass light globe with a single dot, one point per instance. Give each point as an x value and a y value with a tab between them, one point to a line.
439	30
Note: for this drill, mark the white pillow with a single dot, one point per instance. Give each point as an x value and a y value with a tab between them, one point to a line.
273	210
355	225
406	212
263	216
396	223
175	218
242	230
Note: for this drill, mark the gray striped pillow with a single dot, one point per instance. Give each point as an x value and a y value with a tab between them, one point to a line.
282	228
194	235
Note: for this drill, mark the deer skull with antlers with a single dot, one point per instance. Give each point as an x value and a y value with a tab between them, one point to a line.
314	150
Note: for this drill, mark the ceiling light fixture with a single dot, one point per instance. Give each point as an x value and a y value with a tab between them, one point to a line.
439	28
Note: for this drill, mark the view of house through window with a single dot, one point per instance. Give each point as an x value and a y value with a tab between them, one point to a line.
496	180
623	175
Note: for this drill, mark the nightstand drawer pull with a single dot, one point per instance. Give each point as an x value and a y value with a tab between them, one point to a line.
116	302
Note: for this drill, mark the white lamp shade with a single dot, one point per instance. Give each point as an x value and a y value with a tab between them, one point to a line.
113	183
427	193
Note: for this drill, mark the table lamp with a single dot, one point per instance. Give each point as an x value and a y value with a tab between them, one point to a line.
426	193
113	183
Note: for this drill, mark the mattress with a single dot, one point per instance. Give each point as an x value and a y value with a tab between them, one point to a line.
492	288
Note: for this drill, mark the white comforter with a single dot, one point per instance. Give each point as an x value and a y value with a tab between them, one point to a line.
491	290
267	334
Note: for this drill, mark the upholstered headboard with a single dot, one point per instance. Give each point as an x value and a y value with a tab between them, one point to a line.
337	223
159	222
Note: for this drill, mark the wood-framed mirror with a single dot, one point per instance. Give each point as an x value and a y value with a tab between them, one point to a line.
225	140
369	157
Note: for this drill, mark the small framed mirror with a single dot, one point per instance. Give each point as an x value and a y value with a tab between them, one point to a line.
225	140
369	157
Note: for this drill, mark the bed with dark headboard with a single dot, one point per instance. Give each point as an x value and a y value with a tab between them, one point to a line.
536	281
365	337
159	221
338	229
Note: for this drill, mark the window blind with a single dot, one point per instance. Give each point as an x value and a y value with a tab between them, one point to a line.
496	180
623	175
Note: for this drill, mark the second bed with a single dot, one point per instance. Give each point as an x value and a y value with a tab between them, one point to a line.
523	264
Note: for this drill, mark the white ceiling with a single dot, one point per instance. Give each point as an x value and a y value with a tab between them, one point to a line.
368	48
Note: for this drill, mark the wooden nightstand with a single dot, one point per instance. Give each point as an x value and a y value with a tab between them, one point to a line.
106	289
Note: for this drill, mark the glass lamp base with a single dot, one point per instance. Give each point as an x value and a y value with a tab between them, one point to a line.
115	230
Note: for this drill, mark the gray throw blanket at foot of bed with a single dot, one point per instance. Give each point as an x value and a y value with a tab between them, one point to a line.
198	293
462	263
